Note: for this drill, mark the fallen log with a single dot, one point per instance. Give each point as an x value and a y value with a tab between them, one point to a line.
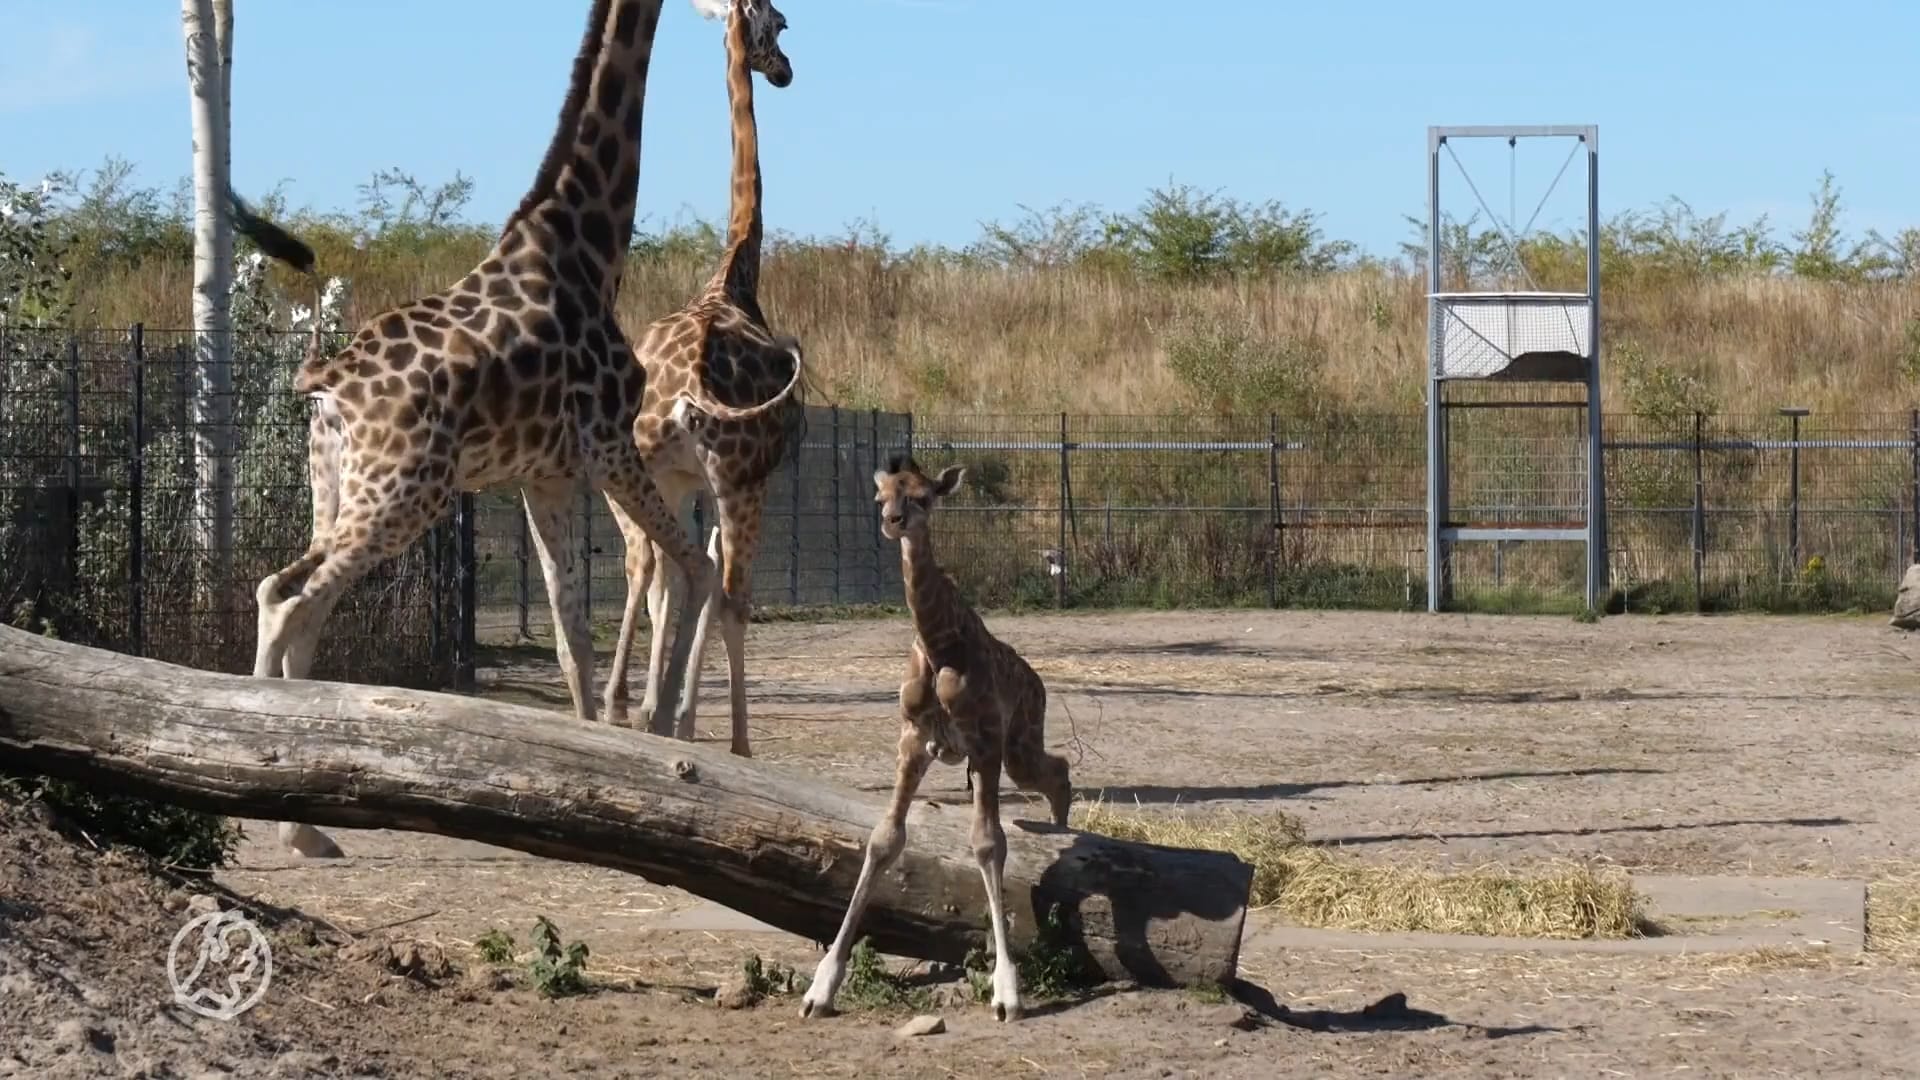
766	840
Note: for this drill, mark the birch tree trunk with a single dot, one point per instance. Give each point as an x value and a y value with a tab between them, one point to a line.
207	81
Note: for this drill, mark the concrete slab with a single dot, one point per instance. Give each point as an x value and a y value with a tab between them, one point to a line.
1700	914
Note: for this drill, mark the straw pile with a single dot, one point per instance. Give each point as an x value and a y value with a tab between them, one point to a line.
1893	916
1312	886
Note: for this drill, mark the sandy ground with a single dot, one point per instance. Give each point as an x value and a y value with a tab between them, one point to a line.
1723	745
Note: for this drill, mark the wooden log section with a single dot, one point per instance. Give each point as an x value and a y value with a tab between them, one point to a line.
769	841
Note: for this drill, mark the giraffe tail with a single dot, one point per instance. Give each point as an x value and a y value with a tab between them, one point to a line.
274	241
691	413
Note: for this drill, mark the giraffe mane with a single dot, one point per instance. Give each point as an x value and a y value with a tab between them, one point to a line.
561	148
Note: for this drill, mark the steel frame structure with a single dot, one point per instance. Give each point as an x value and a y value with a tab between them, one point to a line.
1442	531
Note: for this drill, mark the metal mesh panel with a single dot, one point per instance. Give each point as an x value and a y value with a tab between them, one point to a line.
106	539
1477	335
819	535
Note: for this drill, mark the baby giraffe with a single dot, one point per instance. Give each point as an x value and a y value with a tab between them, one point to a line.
968	696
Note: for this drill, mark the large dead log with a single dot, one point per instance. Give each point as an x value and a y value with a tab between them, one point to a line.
768	841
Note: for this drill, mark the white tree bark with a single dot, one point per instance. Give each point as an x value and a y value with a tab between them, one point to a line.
207	81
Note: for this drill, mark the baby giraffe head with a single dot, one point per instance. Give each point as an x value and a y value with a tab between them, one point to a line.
764	22
907	497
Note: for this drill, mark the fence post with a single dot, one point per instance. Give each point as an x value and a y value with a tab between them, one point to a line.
1913	533
1699	512
837	471
586	556
137	499
879	546
464	631
436	596
73	462
523	557
1274	535
1060	579
793	527
1793	491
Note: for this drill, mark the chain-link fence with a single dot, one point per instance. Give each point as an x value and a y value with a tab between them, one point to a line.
105	524
108	535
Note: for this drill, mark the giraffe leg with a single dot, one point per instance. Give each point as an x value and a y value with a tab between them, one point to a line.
550	517
1031	767
326	446
274	599
624	478
366	534
643	570
884	845
738	536
662	594
990	850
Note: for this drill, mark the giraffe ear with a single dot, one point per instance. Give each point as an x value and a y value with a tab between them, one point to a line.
948	481
880	477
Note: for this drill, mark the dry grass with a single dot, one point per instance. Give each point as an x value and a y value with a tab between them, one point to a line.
1893	916
1314	887
884	331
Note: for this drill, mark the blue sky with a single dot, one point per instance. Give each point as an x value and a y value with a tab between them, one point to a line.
927	116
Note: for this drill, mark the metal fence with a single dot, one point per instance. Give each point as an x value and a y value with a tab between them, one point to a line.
103	538
819	542
102	526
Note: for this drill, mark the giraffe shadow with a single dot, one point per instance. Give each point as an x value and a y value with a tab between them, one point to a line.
1167	793
1123	887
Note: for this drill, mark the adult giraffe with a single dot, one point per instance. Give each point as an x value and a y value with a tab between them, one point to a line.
518	374
716	347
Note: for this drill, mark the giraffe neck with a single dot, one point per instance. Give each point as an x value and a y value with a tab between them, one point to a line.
579	210
738	277
932	598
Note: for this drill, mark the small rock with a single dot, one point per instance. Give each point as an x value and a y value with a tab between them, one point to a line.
489	978
1219	1042
1906	605
176	902
924	1024
96	998
414	959
77	1034
734	994
302	1063
203	904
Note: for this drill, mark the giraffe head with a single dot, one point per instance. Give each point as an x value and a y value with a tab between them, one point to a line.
764	24
907	496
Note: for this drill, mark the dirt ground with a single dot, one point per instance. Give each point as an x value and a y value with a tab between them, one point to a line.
1676	744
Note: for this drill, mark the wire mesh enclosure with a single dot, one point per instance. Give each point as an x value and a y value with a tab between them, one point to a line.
106	536
819	542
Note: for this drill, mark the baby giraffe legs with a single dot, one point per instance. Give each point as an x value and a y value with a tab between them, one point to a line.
990	851
884	845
